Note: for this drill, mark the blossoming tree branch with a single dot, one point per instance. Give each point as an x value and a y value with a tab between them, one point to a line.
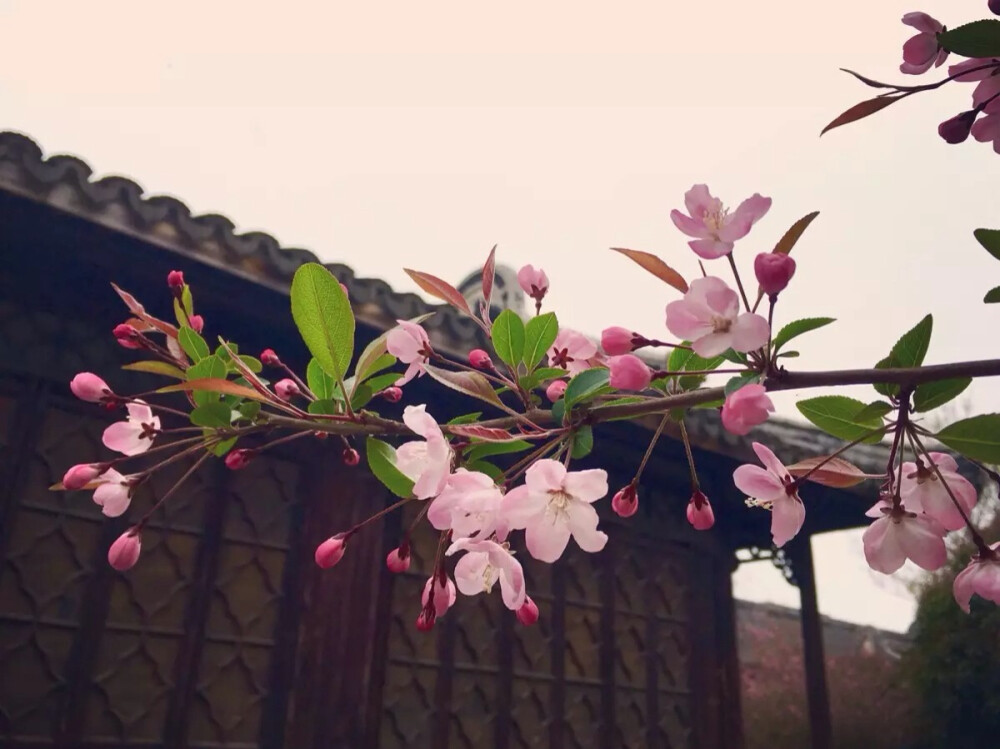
505	479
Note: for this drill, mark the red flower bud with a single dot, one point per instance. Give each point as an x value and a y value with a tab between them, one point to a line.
268	357
555	390
79	476
330	551
626	501
239	459
617	341
480	359
175	280
528	613
127	336
124	552
425	622
197	323
392	394
956	130
286	389
773	270
350	456
699	512
398	560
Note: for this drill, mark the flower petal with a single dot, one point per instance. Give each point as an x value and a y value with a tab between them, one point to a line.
755	482
546	475
586	486
787	516
691	227
882	549
546	541
749	332
583	520
126	438
710	249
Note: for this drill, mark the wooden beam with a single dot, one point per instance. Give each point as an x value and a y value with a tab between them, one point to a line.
817	694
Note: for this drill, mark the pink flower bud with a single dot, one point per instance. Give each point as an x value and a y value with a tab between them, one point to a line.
392	394
746	408
956	130
124	552
629	372
534	282
286	389
699	512
350	456
346	292
127	336
197	323
425	621
175	280
528	613
773	270
555	390
398	560
79	476
480	359
330	551
239	459
617	341
626	502
89	387
268	357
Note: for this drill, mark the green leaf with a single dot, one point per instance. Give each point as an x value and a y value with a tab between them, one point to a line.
211	367
990	240
211	415
930	395
223	447
324	406
909	351
583	442
992	296
321	384
696	363
788	355
508	337
252	363
156	367
586	385
976	39
382	462
875	409
187	300
469	383
483	466
798	327
483	449
735	357
541	376
381	382
324	318
539	335
838	415
977	438
467	418
741	380
192	344
559	411
249	410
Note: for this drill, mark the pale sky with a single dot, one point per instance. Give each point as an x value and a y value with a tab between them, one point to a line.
393	134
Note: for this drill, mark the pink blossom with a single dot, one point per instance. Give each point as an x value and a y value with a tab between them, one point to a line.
572	351
629	372
555	390
956	129
350	457
286	389
773	487
922	491
409	343
533	282
469	505
485	562
392	394
699	511
331	551
480	359
716	229
528	613
128	336
985	70
197	323
175	280
89	387
746	408
553	505
899	535
134	436
617	341
625	503
237	460
114	493
709	316
987	128
442	598
982	577
269	358
773	270
427	463
79	476
922	50
124	552
398	560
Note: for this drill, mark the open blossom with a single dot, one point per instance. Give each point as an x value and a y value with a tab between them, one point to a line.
716	229
533	282
553	505
899	535
987	129
485	562
469	505
699	512
980	70
628	372
922	491
922	50
135	435
114	493
746	408
572	351
709	316
427	463
981	577
409	343
773	487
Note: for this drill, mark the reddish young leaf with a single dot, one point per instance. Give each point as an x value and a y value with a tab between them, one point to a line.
439	289
489	271
216	385
469	383
788	240
862	110
139	311
836	472
487	434
657	267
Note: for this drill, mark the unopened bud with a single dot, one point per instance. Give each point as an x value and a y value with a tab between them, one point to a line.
425	621
286	389
269	358
350	456
994	6
398	560
628	372
956	130
555	390
197	323
699	512
239	459
626	502
175	280
392	394
79	476
330	551
528	613
89	387
480	359
127	336
124	552
617	341
773	270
